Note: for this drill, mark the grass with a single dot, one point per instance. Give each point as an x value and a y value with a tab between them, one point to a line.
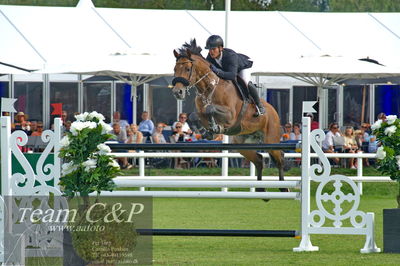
256	214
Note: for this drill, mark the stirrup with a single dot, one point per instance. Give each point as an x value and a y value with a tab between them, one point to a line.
259	111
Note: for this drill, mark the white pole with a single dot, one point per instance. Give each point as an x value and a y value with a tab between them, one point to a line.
225	163
227	11
141	168
305	244
360	172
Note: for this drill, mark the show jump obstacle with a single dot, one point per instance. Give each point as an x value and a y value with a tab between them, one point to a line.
313	221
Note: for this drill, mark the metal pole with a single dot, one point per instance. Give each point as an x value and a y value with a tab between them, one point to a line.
227	11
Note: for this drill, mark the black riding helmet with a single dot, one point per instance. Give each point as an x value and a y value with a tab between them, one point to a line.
214	41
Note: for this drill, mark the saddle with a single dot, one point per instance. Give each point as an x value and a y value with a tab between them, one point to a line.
241	86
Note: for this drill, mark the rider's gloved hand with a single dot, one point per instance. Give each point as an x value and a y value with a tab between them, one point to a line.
215	69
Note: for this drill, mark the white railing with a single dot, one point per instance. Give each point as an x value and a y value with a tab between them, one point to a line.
141	155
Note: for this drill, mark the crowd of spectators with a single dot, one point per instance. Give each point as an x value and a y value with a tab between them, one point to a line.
348	140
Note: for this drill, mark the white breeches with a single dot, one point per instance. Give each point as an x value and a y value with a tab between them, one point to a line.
245	74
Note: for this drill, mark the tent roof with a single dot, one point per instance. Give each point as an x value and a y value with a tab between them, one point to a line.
34	36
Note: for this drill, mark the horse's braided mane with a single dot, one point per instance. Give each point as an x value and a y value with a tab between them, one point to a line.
192	47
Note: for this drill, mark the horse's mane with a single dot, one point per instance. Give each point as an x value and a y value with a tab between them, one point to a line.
192	47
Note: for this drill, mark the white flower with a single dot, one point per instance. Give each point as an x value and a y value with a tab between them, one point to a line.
89	164
106	128
64	142
82	117
113	163
89	124
390	130
398	161
377	125
380	153
391	119
97	115
68	168
76	127
103	149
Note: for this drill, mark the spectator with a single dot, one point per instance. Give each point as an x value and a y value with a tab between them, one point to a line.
133	134
350	145
327	143
68	126
287	130
314	124
382	116
179	135
117	119
185	126
158	136
119	135
146	126
364	129
34	125
296	134
39	129
21	122
362	143
64	117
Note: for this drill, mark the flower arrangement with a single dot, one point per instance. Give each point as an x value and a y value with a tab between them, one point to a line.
87	167
387	132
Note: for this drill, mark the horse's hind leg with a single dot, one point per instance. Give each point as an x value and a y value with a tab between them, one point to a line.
278	159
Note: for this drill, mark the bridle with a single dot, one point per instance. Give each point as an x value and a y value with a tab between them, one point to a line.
186	82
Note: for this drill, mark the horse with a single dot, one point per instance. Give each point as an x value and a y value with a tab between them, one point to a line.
221	109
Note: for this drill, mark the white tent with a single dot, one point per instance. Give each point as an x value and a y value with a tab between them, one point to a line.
325	71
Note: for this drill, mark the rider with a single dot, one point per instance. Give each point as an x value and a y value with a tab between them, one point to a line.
227	64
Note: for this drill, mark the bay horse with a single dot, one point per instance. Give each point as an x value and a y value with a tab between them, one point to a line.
221	109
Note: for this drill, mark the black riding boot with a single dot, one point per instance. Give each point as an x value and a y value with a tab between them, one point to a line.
254	94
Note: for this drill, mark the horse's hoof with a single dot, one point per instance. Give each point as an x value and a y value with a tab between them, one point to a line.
265	200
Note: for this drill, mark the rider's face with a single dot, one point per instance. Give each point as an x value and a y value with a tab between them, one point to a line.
215	52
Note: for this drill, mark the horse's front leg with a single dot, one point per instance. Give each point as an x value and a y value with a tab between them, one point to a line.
196	125
217	117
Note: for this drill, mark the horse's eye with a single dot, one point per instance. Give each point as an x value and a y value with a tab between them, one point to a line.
187	69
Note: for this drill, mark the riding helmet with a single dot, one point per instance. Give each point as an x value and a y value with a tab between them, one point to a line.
214	41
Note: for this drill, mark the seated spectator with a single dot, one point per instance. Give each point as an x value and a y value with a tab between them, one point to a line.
185	126
364	129
39	129
117	119
119	135
350	145
68	126
133	134
296	134
287	130
146	126
327	143
314	124
34	125
179	135
158	136
381	116
21	122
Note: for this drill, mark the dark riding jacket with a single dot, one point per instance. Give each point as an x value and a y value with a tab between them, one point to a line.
232	64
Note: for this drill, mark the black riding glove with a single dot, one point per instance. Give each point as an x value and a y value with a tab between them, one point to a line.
215	69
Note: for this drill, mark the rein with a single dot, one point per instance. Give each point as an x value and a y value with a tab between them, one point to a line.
205	99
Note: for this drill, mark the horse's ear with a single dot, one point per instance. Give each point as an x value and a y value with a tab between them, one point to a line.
189	54
176	53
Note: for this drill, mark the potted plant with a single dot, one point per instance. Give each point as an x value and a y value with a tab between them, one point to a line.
387	133
88	168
